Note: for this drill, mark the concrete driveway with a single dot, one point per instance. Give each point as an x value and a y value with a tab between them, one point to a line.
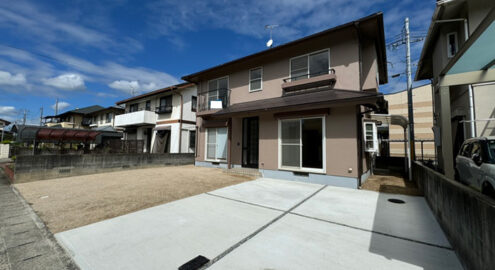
269	224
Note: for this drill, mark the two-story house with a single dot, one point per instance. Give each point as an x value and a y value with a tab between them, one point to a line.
164	119
458	56
90	117
295	111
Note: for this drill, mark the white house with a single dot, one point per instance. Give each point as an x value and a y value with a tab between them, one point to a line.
164	119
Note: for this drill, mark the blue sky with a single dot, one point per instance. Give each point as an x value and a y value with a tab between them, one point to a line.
87	52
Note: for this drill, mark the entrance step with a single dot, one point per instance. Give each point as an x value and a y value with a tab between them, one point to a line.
243	171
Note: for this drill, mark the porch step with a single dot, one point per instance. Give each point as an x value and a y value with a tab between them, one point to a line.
243	171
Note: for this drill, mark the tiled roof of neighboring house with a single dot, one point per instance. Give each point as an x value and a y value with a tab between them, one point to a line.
377	28
156	92
5	121
113	108
83	111
314	99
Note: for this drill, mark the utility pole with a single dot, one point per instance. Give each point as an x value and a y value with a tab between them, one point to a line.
24	117
56	107
410	110
41	116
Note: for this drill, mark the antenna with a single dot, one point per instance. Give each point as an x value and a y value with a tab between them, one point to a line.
269	44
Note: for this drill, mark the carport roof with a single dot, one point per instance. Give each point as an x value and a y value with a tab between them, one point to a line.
391	119
313	99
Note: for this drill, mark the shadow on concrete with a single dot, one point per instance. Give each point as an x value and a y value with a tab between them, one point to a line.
407	231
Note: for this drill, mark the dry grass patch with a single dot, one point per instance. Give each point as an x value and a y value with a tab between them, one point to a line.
391	184
67	203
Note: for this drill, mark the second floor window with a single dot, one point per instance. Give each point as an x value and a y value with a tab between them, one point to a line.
133	108
194	103
217	91
310	65
451	44
256	79
148	105
109	117
165	104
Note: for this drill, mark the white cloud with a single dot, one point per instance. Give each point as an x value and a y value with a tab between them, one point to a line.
66	82
133	87
6	78
61	105
8	112
105	95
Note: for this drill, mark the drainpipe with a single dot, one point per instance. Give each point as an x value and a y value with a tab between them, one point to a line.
356	25
359	143
180	118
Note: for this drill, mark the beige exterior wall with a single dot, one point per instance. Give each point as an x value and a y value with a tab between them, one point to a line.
344	58
423	120
484	102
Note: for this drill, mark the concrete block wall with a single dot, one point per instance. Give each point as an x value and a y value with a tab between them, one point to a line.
466	216
33	168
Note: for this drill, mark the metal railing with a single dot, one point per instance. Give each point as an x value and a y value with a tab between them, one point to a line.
309	75
163	109
214	99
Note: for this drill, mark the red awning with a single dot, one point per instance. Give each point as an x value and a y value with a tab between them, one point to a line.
58	134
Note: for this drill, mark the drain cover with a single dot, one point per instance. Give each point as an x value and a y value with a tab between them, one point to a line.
195	263
393	200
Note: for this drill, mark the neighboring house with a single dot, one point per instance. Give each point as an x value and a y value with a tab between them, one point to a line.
295	111
103	118
90	117
423	123
3	124
458	57
164	119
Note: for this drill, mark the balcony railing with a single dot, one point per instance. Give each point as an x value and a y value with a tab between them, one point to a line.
309	80
164	109
137	118
214	99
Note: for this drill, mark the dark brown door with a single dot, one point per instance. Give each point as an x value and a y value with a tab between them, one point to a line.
250	142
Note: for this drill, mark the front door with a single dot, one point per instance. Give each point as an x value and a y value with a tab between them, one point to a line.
250	141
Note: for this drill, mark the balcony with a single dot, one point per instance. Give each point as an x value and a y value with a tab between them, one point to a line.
213	100
309	81
163	109
139	118
86	122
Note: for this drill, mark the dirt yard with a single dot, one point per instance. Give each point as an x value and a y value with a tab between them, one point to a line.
391	184
67	203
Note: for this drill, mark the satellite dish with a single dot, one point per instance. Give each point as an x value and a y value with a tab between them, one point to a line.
269	43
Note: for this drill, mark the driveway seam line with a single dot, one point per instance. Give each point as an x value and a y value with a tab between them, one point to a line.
372	231
260	229
253	204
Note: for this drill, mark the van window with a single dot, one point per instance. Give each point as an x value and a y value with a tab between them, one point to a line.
466	150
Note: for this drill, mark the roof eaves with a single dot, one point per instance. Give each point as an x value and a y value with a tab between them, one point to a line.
156	92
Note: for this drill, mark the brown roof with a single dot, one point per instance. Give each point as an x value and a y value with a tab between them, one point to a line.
159	91
375	19
314	99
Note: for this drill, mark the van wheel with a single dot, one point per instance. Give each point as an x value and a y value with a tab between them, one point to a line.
488	190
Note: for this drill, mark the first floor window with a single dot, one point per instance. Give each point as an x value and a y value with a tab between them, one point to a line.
370	137
302	143
216	143
192	139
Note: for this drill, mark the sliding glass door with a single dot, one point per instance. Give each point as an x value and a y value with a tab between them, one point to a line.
302	144
216	144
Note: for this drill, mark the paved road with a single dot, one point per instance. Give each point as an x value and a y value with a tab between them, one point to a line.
269	224
25	243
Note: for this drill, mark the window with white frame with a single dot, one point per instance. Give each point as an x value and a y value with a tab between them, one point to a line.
310	65
255	79
302	144
216	144
370	137
451	44
217	91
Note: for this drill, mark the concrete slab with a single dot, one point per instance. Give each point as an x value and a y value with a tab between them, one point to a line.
296	242
166	236
278	194
371	211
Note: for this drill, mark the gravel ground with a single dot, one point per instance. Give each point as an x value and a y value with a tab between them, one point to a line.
391	184
67	203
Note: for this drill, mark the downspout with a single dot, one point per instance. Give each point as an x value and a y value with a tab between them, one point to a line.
180	118
360	60
359	143
470	89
